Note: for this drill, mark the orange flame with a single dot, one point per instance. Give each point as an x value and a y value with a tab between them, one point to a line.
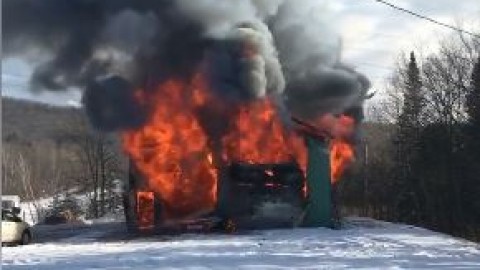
338	129
175	156
178	159
171	149
341	156
257	135
342	153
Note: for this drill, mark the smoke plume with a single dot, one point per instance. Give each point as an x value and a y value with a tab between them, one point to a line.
249	49
310	51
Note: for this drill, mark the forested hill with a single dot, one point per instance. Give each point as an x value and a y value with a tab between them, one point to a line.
29	121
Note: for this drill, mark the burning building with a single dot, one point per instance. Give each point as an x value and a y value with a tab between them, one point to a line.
202	94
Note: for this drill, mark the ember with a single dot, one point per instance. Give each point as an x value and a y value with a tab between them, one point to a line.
145	209
269	172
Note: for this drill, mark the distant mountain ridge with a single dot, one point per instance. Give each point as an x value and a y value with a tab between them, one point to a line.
29	121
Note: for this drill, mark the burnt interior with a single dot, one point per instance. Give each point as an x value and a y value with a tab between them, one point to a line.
262	195
252	196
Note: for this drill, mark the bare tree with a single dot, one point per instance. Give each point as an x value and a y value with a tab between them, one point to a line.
100	161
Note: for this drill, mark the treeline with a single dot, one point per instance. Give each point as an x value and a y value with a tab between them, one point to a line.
50	152
419	162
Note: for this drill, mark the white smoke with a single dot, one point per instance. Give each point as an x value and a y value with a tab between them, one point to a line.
243	21
264	72
299	49
305	36
310	50
219	17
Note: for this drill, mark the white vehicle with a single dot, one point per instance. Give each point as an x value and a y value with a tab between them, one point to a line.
14	229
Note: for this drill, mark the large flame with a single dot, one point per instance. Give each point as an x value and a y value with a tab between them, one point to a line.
171	149
178	159
174	154
257	135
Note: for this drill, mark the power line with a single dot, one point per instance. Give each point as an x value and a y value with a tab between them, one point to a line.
423	17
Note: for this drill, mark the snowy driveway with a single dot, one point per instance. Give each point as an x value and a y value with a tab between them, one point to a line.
381	246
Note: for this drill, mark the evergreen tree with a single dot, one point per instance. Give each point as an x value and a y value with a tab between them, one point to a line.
413	98
408	205
473	110
472	152
473	98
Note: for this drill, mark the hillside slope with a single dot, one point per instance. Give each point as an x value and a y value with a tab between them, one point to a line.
28	121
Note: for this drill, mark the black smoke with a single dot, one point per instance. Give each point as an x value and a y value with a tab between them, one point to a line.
81	41
337	90
110	48
74	32
110	104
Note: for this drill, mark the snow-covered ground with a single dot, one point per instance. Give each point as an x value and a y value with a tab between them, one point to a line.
362	244
30	210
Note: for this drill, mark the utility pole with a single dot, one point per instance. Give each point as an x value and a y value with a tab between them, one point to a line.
365	177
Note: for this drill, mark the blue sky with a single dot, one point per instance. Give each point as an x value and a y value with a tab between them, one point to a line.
15	82
373	35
